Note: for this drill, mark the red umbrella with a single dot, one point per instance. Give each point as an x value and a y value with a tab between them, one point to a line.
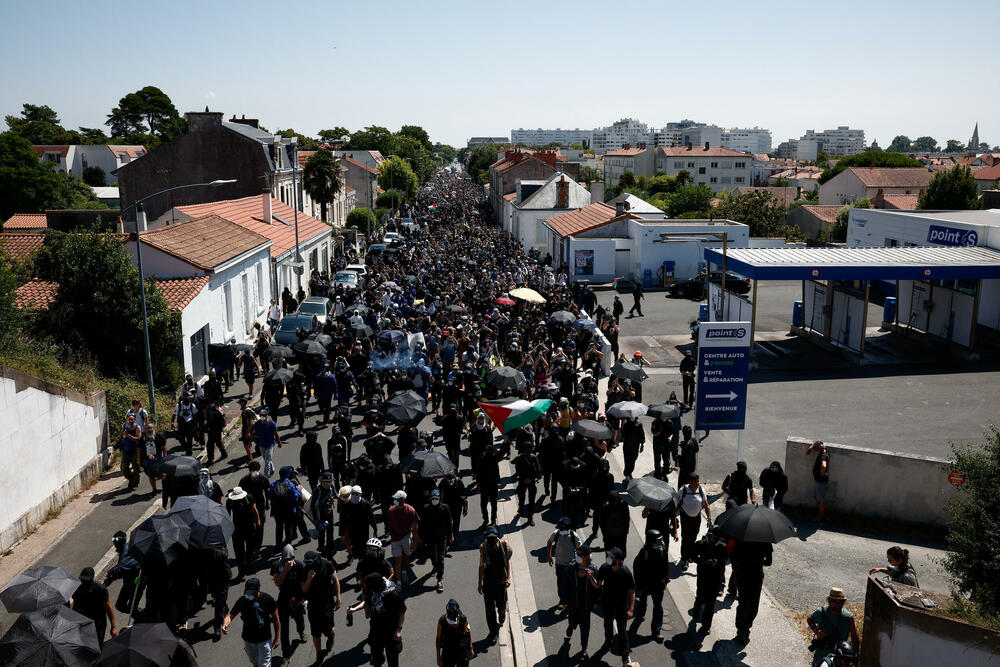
505	301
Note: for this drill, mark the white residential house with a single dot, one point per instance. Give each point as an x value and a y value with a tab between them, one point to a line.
638	160
73	159
747	140
718	168
535	201
856	183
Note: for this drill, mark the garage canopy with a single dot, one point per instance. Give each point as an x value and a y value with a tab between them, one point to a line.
964	263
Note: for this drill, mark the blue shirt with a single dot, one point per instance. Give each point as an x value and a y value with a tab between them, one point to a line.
325	384
266	432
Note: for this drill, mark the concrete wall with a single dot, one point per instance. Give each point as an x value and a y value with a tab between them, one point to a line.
873	482
900	632
49	449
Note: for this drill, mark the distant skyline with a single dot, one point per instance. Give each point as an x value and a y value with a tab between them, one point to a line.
463	69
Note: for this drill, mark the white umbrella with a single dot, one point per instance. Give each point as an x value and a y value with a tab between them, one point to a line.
627	409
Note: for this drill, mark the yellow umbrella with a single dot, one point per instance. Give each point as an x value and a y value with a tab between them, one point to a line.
527	294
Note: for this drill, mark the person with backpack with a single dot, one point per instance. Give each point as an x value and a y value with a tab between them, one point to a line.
454	638
266	434
650	569
494	579
692	501
215	421
208	487
582	593
258	612
832	624
527	469
285	498
561	552
321	504
185	416
710	553
127	569
288	574
453	495
738	486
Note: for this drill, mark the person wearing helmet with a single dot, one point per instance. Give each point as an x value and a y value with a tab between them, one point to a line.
650	569
844	656
832	625
710	555
454	638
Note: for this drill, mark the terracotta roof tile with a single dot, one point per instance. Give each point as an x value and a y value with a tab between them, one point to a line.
132	152
364	166
987	173
179	292
625	152
26	221
584	219
21	247
205	242
36	293
900	202
824	213
42	150
711	151
246	213
511	197
892	177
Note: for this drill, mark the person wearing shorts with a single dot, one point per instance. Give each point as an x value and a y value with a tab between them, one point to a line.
821	476
403	523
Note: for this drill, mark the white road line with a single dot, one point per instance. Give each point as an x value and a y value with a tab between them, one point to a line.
528	648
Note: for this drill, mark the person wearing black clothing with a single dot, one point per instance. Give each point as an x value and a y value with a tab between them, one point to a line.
216	575
617	309
553	453
710	555
321	588
388	612
749	560
91	600
480	437
574	481
774	483
617	600
526	467
452	429
580	583
633	441
127	569
663	433
311	458
246	520
271	394
454	638
453	495
739	487
357	518
296	391
437	533
687	455
259	491
650	568
612	518
325	387
345	426
258	611
488	481
336	455
637	297
321	504
494	579
215	421
688	368
288	574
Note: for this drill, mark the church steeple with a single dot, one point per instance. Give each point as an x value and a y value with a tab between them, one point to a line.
974	144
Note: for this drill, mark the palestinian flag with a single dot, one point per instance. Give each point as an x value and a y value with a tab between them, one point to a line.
509	416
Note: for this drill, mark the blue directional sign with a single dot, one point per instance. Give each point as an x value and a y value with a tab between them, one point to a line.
723	365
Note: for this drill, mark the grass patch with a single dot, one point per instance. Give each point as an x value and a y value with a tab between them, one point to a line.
53	513
966	610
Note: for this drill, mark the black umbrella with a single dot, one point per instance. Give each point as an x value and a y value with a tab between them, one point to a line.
562	317
146	645
55	636
505	377
310	348
160	535
242	347
38	587
360	307
589	428
653	493
178	465
278	375
390	336
455	308
755	523
406	408
410	278
279	351
361	330
427	464
664	411
321	338
629	371
208	520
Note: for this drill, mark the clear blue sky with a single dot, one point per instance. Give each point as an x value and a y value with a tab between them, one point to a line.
469	68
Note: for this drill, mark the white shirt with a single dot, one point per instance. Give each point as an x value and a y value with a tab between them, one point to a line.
691	501
274	313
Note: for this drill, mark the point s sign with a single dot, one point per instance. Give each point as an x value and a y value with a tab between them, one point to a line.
952	236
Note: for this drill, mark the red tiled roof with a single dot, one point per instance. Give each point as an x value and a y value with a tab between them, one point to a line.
625	152
364	166
26	221
987	173
584	219
246	213
21	247
42	150
179	292
824	213
900	202
510	197
36	293
131	151
205	242
304	157
711	151
892	177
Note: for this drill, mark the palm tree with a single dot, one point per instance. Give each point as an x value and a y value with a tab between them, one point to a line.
322	179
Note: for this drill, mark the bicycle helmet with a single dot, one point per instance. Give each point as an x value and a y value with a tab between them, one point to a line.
375	543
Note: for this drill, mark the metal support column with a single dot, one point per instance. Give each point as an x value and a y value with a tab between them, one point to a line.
864	318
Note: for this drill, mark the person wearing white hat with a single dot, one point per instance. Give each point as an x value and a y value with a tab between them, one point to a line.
246	521
403	532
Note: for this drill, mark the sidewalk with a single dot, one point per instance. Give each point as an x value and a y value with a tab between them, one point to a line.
80	536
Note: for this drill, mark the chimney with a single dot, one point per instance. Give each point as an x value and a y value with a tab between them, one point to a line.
562	193
203	121
688	145
706	145
265	202
641	144
596	192
243	120
625	147
619	208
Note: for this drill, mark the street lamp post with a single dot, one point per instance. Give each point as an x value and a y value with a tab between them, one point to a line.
140	216
299	264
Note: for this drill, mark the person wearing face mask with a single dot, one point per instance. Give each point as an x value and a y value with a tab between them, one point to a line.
480	437
438	534
258	490
582	588
358	521
650	569
454	638
403	522
738	486
710	555
617	600
633	442
207	487
561	552
613	520
774	483
184	416
91	599
321	510
246	520
127	569
453	495
288	573
258	611
488	480
527	468
494	579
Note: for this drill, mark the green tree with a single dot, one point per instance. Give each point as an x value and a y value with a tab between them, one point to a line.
39	124
823	159
662	183
93	135
577	147
974	534
361	219
925	145
478	161
420	158
72	193
304	143
322	179
869	159
983	147
333	135
839	231
419	134
954	146
759	209
690	198
147	111
97	311
372	138
26	185
953	190
395	174
626	180
10	316
94	176
445	154
900	144
588	174
683	178
780	182
391	199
